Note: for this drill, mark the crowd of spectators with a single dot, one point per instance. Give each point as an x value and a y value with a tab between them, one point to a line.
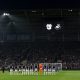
71	61
15	54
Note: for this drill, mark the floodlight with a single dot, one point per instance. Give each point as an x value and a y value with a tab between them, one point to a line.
6	14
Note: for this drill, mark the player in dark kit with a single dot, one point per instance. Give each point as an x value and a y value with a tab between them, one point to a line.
3	69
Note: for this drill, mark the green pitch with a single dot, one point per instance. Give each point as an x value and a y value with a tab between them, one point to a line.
63	75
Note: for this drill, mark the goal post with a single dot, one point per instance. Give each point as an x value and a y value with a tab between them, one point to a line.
52	67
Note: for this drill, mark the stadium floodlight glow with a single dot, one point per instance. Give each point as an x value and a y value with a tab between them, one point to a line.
70	10
49	26
6	14
58	26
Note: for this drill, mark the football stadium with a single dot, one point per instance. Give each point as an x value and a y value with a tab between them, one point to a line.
40	44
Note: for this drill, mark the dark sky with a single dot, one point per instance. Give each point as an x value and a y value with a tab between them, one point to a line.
31	4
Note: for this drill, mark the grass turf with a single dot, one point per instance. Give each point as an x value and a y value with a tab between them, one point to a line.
63	75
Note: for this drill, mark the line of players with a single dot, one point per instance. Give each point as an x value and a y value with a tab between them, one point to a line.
32	70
